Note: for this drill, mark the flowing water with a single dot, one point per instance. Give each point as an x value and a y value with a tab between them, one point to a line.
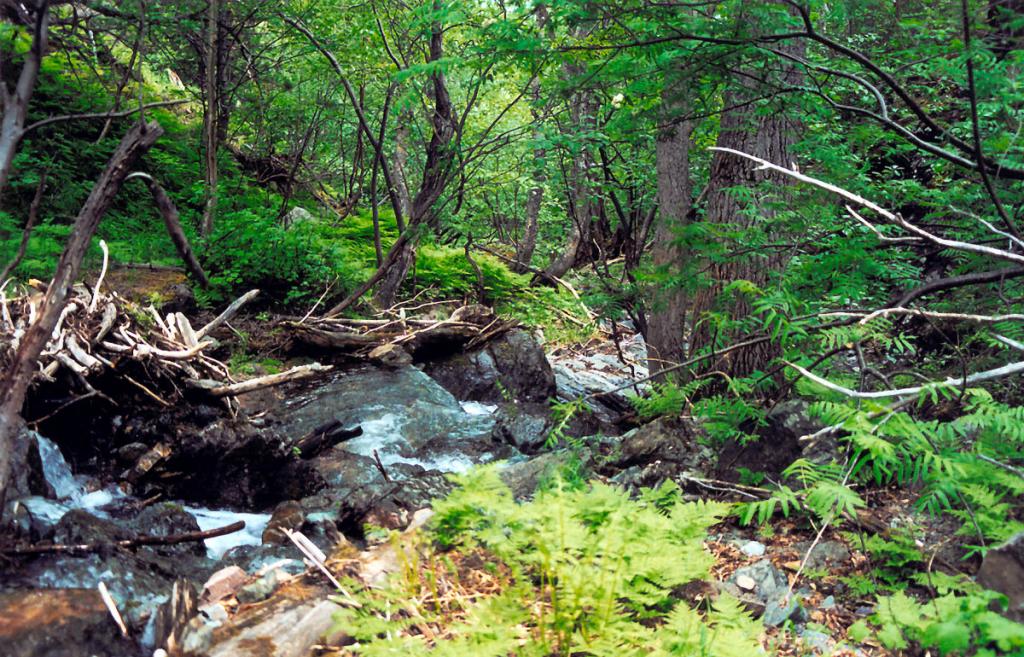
73	492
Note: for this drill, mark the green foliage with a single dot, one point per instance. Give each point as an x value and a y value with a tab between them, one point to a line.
592	572
963	624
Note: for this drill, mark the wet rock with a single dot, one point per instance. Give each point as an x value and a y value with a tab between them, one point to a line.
523	477
391	355
168	519
524	426
791	420
131	452
1002	570
582	375
79	527
35	517
59	623
816	641
26	468
400	411
673	441
779	610
512	367
287	516
283	627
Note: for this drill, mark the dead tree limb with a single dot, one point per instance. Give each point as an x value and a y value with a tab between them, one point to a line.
26	234
172	221
228	313
260	382
173	539
16	379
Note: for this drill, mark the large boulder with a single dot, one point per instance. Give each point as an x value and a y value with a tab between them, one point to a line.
26	467
413	431
59	623
1002	570
511	367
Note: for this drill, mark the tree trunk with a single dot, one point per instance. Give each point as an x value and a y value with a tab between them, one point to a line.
172	221
401	165
666	321
582	207
15	104
528	240
768	135
16	379
436	173
211	123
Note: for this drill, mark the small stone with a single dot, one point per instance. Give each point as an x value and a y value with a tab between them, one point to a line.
828	603
131	452
288	516
818	641
746	582
753	549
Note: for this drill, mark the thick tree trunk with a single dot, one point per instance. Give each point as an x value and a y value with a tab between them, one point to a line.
768	135
15	103
16	379
666	320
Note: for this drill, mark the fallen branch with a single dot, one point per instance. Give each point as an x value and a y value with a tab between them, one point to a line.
260	382
987	375
228	313
173	539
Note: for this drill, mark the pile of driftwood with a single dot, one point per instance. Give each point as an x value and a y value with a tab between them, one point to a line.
394	340
99	333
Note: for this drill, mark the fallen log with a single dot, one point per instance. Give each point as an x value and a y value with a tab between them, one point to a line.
173	539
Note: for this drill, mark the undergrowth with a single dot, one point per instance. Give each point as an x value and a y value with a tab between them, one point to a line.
581	571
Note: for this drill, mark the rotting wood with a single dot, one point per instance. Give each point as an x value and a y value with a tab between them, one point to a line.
466	327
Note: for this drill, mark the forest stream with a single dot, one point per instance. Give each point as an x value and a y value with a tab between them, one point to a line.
405	433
